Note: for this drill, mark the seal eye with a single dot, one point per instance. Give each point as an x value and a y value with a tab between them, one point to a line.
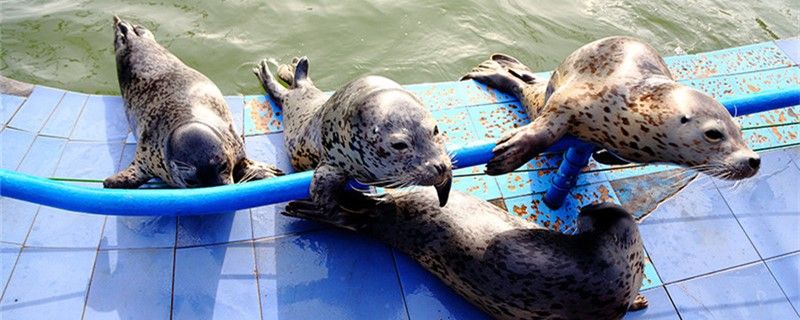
684	119
435	130
400	145
714	135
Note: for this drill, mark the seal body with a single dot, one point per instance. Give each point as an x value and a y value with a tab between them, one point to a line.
371	130
618	93
510	268
183	125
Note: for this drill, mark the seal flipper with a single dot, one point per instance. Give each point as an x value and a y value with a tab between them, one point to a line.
523	144
327	182
354	211
515	67
274	89
130	178
286	72
249	170
121	32
639	303
492	73
301	72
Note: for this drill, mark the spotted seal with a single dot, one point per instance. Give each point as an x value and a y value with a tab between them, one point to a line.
183	125
510	268
618	93
371	130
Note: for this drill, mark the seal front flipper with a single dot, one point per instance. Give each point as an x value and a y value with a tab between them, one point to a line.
249	170
325	184
523	144
130	178
353	211
639	303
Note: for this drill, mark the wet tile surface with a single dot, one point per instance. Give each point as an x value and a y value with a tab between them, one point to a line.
42	157
214	229
338	273
33	113
62	121
269	148
787	272
8	258
48	284
114	294
9	105
427	297
17	219
103	163
138	232
15	145
695	233
56	228
217	282
103	119
744	293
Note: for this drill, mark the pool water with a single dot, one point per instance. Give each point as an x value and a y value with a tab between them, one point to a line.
68	44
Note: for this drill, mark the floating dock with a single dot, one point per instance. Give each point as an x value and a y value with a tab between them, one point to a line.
715	249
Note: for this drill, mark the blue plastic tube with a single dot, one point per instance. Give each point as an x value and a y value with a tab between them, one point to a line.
179	202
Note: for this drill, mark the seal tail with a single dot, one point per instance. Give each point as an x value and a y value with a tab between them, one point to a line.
301	71
504	73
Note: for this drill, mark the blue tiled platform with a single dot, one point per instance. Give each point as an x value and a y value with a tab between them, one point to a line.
715	249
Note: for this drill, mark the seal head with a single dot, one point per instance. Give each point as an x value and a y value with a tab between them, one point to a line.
196	157
406	147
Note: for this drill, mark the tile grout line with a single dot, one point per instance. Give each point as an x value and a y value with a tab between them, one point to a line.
44	123
255	264
25	99
21	249
399	281
671	301
174	264
94	267
781	287
75	124
735	217
731	268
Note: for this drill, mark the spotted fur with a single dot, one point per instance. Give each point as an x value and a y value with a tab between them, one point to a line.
371	130
618	93
510	268
163	96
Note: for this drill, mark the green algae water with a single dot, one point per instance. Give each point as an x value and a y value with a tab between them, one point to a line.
68	44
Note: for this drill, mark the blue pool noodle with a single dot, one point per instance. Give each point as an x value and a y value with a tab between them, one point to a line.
181	202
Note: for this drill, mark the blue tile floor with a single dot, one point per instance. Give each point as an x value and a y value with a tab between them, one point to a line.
718	250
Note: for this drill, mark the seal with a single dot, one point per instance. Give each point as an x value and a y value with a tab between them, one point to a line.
183	126
618	93
508	267
371	130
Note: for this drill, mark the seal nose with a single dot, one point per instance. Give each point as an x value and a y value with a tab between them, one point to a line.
441	168
754	162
